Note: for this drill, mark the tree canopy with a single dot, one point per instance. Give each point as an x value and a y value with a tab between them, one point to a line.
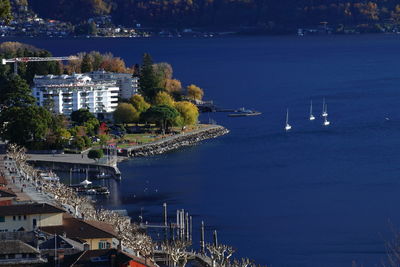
126	113
194	92
25	125
139	103
81	116
95	154
163	115
189	113
163	98
148	80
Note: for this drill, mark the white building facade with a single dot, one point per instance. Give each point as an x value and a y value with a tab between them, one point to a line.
67	93
128	85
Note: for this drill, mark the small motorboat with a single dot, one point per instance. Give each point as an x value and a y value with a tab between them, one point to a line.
103	175
242	112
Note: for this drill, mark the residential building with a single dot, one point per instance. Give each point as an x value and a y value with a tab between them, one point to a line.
97	235
64	94
27	217
103	258
18	253
61	244
128	85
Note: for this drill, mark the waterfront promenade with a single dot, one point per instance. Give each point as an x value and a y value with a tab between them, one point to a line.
26	191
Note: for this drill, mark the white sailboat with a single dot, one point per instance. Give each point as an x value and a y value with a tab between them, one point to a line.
311	115
324	108
326	122
287	126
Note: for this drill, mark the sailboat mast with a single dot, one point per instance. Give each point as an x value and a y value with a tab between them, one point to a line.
311	108
287	116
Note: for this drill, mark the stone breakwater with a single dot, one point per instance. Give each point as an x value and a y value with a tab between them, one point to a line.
175	142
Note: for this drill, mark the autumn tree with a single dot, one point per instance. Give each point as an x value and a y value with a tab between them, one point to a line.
139	103
189	113
5	11
194	92
174	88
113	65
126	113
163	98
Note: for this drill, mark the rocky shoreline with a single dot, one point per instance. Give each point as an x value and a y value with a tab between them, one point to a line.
175	142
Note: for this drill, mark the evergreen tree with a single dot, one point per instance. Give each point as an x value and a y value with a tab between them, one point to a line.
163	115
14	91
148	81
86	65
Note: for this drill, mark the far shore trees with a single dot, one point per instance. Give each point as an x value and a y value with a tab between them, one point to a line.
5	11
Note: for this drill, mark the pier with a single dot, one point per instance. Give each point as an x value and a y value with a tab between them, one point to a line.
66	162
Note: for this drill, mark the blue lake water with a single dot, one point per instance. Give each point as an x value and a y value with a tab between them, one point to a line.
316	196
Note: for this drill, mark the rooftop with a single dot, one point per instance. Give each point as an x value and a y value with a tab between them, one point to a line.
16	247
6	193
25	209
104	257
77	228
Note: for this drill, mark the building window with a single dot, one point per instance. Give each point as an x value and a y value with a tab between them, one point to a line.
14	218
2	219
19	217
103	244
25	217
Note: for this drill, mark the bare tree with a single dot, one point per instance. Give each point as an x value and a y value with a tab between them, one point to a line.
177	251
220	254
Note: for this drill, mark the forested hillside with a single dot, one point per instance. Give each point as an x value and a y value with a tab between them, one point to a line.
224	13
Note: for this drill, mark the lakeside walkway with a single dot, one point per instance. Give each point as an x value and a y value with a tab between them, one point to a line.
26	191
67	158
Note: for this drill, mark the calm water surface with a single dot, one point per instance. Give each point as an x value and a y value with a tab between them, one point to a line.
316	196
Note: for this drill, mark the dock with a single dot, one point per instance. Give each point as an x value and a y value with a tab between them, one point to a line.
66	162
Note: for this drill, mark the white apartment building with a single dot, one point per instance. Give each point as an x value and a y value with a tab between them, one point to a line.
128	85
72	92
